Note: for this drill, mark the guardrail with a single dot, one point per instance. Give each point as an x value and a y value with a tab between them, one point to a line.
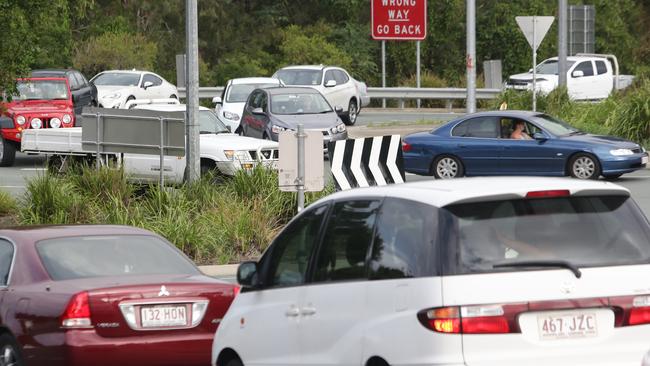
401	94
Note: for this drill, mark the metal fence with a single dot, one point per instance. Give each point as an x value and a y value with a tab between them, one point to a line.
399	94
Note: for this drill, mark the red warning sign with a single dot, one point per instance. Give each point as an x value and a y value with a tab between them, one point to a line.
404	20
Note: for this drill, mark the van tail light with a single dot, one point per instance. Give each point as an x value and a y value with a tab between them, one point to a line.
481	319
549	194
77	313
631	310
406	147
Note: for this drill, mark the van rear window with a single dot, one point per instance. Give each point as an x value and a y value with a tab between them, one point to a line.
585	231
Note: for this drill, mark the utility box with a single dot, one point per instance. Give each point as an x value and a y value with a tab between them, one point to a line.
492	74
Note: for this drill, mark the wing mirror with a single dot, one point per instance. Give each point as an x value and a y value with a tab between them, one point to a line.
578	74
147	84
540	137
216	100
338	109
247	274
258	111
330	83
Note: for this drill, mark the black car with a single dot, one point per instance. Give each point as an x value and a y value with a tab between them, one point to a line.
83	92
270	111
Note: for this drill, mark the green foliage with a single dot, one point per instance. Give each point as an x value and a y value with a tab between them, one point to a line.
631	117
211	223
7	204
115	50
309	46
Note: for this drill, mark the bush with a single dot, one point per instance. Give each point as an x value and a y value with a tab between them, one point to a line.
7	204
210	223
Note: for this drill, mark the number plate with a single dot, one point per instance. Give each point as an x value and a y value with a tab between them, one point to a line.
163	316
644	160
567	325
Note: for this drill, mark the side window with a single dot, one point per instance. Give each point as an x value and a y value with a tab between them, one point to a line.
291	250
74	82
601	67
82	80
341	77
329	75
405	243
586	68
6	256
264	102
255	100
348	236
485	127
154	79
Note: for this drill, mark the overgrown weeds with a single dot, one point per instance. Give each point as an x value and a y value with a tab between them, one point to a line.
211	223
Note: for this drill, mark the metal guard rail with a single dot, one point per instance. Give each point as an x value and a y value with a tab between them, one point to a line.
385	93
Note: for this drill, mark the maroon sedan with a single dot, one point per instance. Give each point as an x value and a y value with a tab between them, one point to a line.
104	295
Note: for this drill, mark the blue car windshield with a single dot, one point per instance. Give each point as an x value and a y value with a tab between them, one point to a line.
553	125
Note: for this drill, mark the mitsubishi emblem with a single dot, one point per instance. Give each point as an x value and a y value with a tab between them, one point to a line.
163	291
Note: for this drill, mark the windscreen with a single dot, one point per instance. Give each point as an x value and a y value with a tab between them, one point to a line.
311	103
117	79
300	76
41	90
209	123
554	125
98	256
584	231
551	67
238	93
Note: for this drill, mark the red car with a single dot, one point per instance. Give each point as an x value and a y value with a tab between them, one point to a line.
44	102
104	295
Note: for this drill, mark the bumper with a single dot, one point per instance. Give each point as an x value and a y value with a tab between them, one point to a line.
231	167
11	134
85	347
624	164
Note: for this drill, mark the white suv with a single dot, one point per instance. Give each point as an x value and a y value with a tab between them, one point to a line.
476	271
341	90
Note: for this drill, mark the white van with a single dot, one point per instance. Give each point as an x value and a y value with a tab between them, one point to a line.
474	271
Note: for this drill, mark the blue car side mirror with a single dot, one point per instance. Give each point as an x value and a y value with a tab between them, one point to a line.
540	136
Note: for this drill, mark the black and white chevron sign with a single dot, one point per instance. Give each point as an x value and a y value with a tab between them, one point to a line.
364	162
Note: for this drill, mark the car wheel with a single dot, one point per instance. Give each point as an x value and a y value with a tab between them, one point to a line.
210	170
353	112
584	166
7	153
447	167
234	362
9	352
173	96
265	136
612	176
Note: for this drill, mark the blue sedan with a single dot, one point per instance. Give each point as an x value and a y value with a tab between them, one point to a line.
482	144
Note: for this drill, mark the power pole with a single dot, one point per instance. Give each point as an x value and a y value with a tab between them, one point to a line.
192	154
562	42
471	57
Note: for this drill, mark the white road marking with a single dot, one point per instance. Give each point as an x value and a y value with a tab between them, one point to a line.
34	169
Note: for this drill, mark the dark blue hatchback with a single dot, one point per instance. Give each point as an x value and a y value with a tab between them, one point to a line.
483	144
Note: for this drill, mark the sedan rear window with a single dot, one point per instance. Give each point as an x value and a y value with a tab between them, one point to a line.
98	256
584	231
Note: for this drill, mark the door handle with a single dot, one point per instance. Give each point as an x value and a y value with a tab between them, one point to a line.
308	310
292	312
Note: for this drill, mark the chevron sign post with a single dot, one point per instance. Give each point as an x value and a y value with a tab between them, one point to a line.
364	162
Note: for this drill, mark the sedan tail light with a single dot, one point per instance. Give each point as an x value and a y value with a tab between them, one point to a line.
77	313
406	147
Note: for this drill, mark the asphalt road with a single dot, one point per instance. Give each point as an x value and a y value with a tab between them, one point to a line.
383	116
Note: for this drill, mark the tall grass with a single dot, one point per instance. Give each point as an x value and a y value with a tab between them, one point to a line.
211	223
8	205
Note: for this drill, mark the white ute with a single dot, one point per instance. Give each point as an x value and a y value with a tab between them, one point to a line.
589	77
220	149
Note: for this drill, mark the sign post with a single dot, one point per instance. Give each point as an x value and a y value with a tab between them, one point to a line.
300	167
534	29
400	20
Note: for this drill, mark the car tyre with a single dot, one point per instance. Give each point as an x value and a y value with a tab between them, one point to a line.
10	351
353	111
173	96
447	167
234	362
211	170
7	153
584	166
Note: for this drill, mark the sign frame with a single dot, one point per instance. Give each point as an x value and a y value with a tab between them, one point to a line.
421	12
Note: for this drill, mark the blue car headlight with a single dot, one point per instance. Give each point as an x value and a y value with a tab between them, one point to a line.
621	152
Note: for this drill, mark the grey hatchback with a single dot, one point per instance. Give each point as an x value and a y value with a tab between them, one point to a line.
270	111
